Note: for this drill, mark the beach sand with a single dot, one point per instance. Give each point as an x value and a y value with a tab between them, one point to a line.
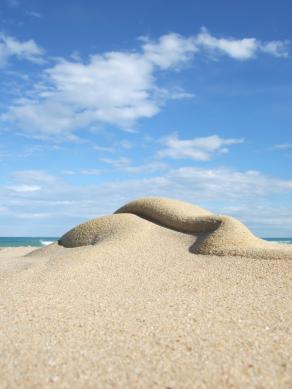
140	309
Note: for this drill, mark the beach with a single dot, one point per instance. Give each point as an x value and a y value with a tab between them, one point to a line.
141	310
145	194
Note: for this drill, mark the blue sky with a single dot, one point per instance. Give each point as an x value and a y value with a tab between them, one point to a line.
104	102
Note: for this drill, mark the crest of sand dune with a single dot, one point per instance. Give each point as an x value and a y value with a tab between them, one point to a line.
213	234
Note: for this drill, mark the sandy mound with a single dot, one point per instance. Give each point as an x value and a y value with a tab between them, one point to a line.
137	305
213	234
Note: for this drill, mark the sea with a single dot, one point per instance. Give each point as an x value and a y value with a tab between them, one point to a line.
27	241
279	240
45	241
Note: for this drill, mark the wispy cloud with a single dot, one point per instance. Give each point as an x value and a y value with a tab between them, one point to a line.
282	146
151	167
32	176
118	163
240	49
115	145
198	149
82	172
125	165
34	14
22	50
169	51
24	188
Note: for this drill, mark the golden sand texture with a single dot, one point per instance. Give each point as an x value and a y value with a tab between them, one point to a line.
214	234
144	312
136	305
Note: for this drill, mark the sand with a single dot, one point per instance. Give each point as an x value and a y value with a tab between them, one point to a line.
212	234
139	309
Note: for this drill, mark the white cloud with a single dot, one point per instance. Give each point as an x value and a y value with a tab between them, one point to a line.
115	88
199	149
24	188
29	181
276	48
125	165
83	172
240	49
27	50
170	50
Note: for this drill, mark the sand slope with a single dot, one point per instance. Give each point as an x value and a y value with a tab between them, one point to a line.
145	314
138	309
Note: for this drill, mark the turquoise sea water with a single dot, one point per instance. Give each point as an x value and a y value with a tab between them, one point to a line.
27	241
44	241
279	240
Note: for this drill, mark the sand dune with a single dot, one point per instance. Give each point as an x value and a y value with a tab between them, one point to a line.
214	234
131	303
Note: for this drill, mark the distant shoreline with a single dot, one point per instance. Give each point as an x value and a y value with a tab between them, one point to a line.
10	242
53	240
26	241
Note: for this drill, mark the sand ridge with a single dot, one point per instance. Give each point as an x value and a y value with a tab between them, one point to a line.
213	234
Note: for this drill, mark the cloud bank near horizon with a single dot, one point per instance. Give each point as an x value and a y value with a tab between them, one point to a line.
43	198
